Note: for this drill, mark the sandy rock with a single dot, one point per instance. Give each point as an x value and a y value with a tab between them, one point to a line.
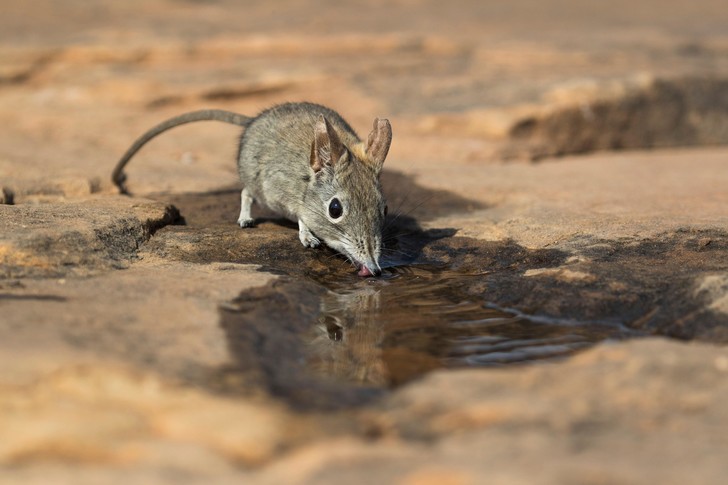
118	417
77	236
137	349
158	315
549	424
562	422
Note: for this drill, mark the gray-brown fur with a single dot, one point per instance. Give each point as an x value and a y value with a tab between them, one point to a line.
295	158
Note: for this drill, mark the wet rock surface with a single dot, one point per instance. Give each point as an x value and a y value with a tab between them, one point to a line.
553	322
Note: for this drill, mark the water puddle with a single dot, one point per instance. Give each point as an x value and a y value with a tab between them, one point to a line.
387	331
332	341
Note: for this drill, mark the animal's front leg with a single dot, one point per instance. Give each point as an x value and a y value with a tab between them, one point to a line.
246	200
306	236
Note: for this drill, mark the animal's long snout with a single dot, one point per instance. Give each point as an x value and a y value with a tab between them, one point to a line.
370	269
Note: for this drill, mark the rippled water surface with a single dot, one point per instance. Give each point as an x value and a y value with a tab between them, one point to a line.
389	330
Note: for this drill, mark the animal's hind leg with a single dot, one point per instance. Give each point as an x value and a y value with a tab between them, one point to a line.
246	200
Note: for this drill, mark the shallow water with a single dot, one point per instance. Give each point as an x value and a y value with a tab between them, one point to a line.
386	331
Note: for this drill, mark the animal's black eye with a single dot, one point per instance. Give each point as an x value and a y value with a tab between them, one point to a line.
386	210
335	208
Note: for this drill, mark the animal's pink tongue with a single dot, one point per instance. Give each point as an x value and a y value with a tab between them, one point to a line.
364	271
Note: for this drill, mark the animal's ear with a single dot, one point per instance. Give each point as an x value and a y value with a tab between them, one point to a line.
326	148
378	142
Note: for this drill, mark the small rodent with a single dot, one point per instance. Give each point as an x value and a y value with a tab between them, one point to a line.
303	161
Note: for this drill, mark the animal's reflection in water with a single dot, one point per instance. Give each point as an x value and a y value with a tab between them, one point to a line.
346	342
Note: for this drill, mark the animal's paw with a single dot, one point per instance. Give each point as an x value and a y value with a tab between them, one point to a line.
306	236
246	222
309	240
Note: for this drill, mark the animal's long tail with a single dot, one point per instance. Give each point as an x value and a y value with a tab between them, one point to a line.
118	176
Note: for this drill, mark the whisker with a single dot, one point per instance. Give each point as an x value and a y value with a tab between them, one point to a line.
340	232
400	214
395	251
396	238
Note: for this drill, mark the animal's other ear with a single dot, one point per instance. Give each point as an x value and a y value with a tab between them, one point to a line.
378	142
326	148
